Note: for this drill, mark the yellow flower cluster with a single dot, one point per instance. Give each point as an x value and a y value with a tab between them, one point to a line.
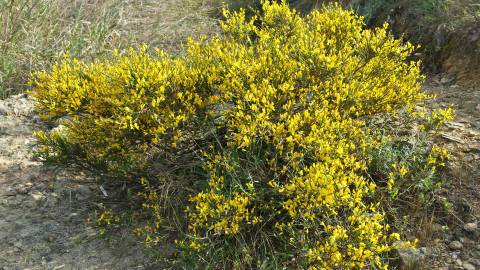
433	119
438	156
116	110
275	109
299	89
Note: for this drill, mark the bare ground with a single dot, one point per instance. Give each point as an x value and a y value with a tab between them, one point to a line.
43	210
462	138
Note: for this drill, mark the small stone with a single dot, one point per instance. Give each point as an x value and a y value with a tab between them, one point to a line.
58	128
72	216
82	192
448	237
455	245
50	202
446	80
470	227
468	266
51	238
3	109
37	196
469	158
22	189
47	258
458	262
41	186
19	199
454	255
475	262
10	192
17	245
410	257
437	228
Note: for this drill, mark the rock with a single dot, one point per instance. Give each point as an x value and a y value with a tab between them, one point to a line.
446	80
17	244
50	202
454	255
41	186
440	37
469	157
464	206
437	228
470	227
10	192
473	37
454	125
19	199
22	189
455	245
410	257
448	237
3	109
58	128
468	266
452	138
82	192
72	217
37	196
475	262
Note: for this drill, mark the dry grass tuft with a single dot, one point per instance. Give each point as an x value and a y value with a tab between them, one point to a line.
35	33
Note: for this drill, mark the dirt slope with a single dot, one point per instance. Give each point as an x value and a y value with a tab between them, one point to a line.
462	138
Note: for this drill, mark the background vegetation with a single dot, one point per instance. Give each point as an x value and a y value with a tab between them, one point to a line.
35	33
447	30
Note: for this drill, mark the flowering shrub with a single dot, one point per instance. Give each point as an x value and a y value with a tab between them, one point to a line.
258	139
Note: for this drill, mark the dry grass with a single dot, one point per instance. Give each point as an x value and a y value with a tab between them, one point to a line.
166	24
35	33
